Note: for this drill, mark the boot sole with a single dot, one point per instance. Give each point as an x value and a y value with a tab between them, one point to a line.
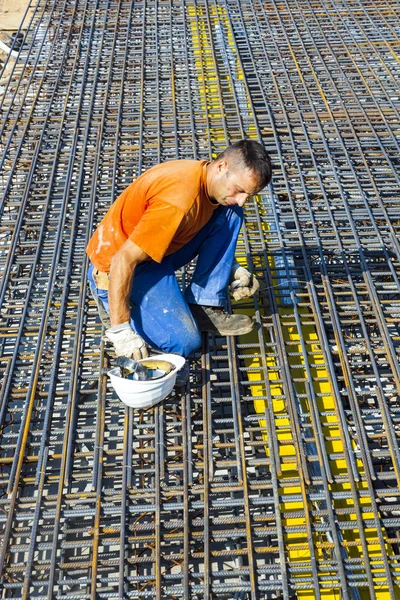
241	331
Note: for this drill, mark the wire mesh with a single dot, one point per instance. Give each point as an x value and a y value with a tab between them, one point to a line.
275	472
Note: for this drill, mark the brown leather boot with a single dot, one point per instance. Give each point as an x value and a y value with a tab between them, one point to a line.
216	320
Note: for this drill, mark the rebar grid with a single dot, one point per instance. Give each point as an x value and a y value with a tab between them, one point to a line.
276	472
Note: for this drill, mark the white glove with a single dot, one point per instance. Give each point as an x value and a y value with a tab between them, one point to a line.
243	283
126	342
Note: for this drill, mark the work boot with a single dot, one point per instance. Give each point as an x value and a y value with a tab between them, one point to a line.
215	320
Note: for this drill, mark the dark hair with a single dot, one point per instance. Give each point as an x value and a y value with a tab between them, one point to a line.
251	155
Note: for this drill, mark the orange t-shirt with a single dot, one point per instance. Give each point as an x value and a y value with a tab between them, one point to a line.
160	212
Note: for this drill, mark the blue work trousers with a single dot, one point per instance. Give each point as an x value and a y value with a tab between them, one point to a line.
160	312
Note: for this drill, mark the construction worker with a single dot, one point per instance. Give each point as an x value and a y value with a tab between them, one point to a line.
172	213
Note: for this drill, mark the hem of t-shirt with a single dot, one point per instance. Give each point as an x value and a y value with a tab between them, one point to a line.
98	265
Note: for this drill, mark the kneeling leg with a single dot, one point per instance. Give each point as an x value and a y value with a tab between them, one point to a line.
160	313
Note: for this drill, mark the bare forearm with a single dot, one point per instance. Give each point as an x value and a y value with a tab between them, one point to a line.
121	279
122	271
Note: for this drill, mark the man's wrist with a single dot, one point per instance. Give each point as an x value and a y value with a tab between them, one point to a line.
121	327
234	269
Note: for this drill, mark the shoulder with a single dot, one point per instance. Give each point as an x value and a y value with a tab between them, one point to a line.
177	182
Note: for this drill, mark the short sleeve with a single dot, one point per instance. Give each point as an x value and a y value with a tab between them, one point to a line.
156	228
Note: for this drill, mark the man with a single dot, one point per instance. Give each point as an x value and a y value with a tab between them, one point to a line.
172	213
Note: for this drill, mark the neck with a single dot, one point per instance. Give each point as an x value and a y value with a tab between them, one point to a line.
209	178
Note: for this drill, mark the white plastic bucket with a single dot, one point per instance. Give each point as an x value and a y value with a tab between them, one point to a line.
144	394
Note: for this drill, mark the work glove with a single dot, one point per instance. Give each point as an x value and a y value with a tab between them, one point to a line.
126	342
243	283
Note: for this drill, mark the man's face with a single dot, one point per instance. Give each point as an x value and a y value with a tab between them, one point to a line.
232	187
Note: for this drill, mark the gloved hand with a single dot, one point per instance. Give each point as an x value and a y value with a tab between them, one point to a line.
126	342
243	283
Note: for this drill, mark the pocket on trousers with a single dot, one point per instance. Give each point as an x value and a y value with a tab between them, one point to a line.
101	279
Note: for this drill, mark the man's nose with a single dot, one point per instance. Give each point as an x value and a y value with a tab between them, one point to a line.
241	199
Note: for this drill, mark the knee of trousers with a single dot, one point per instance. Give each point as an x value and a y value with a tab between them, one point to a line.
235	214
227	216
186	342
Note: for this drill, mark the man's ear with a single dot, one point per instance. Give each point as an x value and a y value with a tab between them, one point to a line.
222	166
